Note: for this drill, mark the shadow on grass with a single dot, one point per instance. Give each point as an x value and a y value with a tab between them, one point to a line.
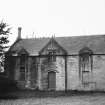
21	94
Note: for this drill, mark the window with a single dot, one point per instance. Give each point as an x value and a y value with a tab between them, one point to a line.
52	56
22	60
22	66
85	59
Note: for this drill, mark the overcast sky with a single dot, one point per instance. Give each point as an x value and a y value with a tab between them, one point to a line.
48	17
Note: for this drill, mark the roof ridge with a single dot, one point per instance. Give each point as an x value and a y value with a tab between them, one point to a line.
81	36
37	38
94	35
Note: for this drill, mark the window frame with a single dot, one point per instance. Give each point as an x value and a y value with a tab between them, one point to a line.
85	64
52	56
22	67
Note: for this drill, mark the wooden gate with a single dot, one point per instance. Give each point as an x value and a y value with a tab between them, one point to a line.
51	80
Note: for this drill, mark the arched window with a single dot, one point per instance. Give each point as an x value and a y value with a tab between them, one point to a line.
85	64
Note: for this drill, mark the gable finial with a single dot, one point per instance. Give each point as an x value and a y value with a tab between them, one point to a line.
52	37
33	35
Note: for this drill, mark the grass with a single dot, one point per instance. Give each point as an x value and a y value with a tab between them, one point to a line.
18	94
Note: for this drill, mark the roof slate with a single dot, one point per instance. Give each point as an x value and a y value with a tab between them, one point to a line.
71	44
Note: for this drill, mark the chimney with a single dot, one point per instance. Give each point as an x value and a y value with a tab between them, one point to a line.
19	32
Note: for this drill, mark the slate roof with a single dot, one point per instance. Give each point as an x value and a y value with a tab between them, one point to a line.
71	44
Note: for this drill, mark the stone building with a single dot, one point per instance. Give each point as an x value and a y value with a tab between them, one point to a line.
58	63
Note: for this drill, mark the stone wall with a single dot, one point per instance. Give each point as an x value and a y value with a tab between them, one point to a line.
99	72
96	78
73	73
43	81
74	79
58	67
60	75
30	73
39	76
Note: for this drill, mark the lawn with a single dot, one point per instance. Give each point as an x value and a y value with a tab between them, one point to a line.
84	99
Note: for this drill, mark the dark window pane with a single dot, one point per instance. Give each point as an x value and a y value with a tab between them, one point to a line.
22	66
84	62
22	76
52	56
22	69
22	59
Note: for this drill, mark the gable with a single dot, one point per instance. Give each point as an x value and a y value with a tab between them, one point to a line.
32	46
52	45
22	52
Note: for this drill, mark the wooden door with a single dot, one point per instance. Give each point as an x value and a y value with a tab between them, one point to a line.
51	80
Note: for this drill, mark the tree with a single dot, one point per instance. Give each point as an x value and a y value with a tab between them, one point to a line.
4	34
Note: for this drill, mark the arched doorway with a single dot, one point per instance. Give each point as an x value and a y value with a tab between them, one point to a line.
51	80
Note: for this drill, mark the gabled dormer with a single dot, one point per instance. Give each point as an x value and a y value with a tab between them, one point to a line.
22	51
52	47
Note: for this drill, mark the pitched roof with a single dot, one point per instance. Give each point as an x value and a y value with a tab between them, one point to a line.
71	44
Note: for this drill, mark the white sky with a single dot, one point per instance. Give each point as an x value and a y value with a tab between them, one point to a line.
49	17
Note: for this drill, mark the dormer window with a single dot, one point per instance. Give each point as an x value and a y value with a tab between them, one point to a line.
52	56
